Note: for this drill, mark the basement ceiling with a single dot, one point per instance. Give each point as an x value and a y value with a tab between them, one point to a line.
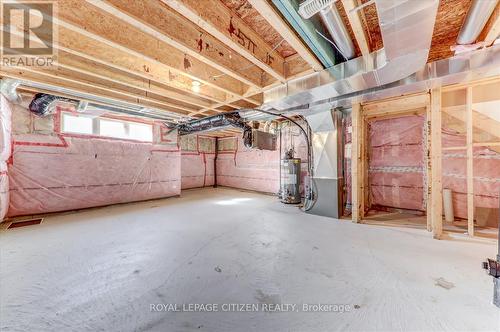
198	58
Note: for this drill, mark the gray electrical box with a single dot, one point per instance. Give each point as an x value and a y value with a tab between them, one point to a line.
263	140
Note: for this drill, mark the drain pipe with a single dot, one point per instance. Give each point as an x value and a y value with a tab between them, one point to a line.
333	22
479	13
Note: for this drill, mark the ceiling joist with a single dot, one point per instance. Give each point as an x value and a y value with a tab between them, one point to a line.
216	19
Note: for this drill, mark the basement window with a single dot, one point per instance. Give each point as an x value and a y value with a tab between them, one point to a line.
95	126
77	124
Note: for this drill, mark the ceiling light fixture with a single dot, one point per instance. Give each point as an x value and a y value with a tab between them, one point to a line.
195	86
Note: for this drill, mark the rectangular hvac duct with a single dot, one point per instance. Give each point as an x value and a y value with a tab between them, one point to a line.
327	177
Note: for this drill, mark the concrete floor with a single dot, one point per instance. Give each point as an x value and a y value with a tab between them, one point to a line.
101	269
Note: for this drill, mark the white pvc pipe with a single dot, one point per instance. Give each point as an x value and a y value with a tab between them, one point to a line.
448	205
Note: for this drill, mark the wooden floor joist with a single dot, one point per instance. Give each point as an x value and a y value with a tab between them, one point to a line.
92	68
107	29
275	20
52	80
160	21
220	22
357	26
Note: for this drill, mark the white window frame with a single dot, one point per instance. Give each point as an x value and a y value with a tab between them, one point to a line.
96	127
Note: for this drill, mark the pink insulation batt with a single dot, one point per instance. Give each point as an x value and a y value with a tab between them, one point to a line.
486	174
5	152
397	159
248	168
396	153
258	170
50	171
197	162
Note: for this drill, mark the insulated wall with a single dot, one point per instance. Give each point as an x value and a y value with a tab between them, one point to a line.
486	174
396	162
252	169
244	168
5	152
53	171
197	163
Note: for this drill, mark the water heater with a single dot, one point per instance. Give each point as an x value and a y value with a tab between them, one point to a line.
290	180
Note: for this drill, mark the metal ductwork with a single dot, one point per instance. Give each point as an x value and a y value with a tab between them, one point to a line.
479	13
462	68
215	122
333	22
406	28
252	137
8	88
327	179
89	102
44	104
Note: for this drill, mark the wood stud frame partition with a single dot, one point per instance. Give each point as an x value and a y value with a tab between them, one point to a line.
428	103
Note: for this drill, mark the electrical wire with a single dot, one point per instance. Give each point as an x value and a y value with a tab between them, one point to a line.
309	202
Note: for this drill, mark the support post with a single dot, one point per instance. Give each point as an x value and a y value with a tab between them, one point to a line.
364	166
428	168
356	153
436	203
470	163
215	160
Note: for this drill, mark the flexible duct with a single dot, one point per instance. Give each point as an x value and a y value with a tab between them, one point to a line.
479	13
44	104
8	87
333	22
406	28
335	26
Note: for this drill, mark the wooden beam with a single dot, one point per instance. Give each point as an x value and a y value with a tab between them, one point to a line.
356	154
364	167
485	128
90	21
470	163
295	67
98	70
68	74
491	30
160	21
28	74
396	105
357	26
274	19
76	44
436	202
428	167
218	20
